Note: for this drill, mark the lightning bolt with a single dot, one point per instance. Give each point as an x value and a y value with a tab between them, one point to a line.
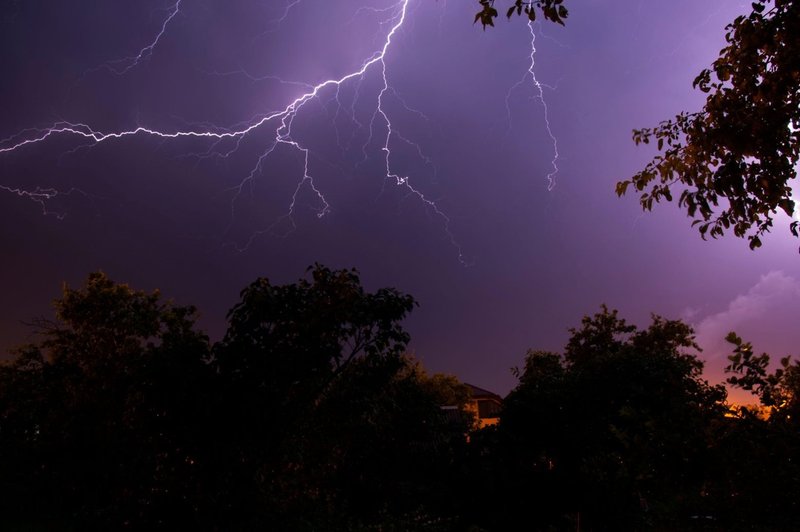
539	95
126	64
282	120
277	21
40	196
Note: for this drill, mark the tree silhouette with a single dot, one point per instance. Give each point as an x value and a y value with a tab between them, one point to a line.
306	416
99	421
758	476
612	433
731	164
324	417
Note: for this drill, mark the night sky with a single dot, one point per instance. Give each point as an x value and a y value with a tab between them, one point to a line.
503	247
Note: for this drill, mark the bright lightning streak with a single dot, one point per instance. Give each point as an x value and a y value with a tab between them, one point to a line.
283	119
404	180
539	95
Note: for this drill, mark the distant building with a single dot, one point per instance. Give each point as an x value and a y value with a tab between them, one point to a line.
484	405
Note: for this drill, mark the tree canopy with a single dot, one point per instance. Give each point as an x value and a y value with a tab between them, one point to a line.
101	421
615	428
309	415
778	390
306	415
732	164
621	431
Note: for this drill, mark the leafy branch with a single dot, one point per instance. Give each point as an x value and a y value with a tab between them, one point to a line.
552	10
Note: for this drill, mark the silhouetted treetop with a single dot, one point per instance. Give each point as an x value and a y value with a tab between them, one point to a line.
777	390
615	430
317	326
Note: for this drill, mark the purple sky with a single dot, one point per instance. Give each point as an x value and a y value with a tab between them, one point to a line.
183	214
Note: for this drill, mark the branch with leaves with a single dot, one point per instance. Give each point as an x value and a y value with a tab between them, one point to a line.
733	163
779	390
552	10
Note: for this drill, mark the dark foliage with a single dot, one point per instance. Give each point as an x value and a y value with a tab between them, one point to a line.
552	10
613	434
732	164
305	417
308	416
767	482
101	422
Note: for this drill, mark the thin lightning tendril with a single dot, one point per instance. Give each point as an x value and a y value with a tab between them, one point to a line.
42	195
147	51
539	95
125	65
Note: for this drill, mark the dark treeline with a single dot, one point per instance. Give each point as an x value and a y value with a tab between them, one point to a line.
308	416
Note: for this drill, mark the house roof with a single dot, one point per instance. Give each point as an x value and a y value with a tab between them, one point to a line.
480	393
